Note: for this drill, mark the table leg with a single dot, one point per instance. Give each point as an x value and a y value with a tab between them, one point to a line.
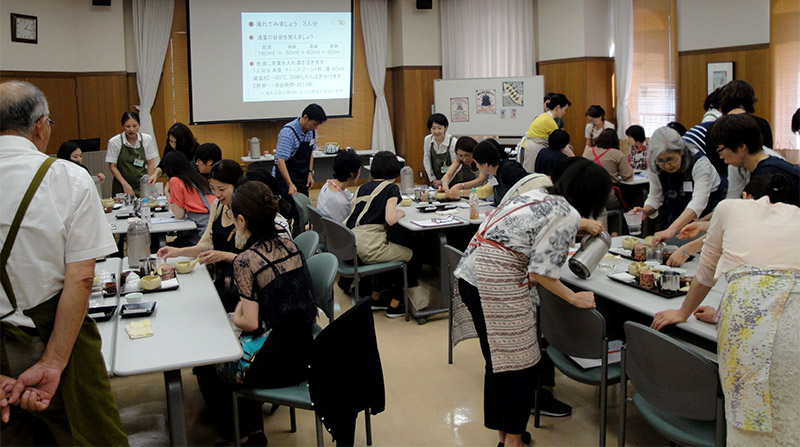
176	416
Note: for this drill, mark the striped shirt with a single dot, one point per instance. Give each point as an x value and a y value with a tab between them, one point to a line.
288	143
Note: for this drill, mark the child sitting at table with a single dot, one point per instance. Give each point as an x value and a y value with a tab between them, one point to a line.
334	198
638	154
275	313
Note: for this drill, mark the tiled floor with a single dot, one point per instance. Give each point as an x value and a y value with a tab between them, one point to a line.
428	401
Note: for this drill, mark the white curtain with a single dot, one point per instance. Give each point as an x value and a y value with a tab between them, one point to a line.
374	18
623	61
152	25
487	38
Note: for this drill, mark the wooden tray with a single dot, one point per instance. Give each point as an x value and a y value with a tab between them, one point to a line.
635	285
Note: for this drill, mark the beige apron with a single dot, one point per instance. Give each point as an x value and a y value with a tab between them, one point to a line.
371	239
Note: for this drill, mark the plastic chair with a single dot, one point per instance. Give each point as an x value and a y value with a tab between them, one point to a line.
571	331
342	243
322	267
302	203
299	396
678	391
453	257
307	242
315	220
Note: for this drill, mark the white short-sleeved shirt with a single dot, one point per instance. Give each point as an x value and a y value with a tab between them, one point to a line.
448	144
542	231
334	204
116	142
591	132
64	223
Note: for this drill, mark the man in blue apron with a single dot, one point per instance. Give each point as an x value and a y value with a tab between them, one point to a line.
294	161
54	387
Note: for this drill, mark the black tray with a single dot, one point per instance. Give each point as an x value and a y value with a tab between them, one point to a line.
433	208
654	291
619	251
102	313
137	310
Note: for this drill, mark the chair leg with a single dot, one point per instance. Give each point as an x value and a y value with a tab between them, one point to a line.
368	424
623	400
318	423
405	290
603	405
236	434
356	296
292	420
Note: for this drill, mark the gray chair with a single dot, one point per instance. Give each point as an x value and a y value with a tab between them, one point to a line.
342	243
323	268
302	203
307	242
571	331
453	256
315	220
677	390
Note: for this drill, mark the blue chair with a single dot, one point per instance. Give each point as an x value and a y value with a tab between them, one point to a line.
323	268
307	242
342	243
571	331
315	221
678	390
302	203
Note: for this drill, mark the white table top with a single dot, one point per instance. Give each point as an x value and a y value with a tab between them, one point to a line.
163	222
638	179
315	154
190	328
461	215
645	302
106	328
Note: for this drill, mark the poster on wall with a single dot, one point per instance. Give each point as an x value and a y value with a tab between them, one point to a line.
513	93
459	110
719	74
485	101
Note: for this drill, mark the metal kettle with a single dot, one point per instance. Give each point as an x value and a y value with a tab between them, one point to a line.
592	250
254	145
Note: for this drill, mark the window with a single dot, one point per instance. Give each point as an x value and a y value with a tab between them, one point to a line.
655	59
785	51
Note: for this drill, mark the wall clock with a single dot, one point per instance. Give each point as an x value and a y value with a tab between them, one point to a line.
24	28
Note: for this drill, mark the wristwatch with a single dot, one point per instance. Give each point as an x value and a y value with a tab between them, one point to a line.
310	171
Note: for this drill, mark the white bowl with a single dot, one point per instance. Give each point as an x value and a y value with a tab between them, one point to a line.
135	297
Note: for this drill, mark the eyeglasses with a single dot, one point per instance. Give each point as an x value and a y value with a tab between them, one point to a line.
52	123
721	148
671	160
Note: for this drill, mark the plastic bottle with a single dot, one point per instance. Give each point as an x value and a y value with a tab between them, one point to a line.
138	241
473	204
144	186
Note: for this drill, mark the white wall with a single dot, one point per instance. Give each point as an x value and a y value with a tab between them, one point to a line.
722	23
598	28
74	36
415	34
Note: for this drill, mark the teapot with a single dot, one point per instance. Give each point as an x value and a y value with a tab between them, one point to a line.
254	145
331	148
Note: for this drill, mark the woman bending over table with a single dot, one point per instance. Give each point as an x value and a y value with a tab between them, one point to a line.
683	183
275	312
189	196
130	155
525	241
463	174
217	246
755	244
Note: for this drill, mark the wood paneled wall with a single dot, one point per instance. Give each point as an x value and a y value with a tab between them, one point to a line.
83	105
172	101
585	81
750	63
412	98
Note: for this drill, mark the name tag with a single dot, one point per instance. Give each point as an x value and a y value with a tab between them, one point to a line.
687	186
312	142
138	162
493	181
444	169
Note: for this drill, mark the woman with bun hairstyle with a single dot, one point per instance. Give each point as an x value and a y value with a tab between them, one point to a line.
755	245
131	154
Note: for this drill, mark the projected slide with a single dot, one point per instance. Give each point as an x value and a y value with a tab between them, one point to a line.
294	56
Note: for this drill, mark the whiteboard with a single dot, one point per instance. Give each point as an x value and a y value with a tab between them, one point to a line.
489	106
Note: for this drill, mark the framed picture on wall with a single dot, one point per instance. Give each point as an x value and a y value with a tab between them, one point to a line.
719	74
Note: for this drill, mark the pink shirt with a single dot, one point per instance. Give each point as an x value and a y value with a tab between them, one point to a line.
750	232
188	199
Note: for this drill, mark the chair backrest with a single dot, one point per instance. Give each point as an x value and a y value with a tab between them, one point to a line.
340	240
302	203
669	375
315	219
573	331
307	243
453	257
323	267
